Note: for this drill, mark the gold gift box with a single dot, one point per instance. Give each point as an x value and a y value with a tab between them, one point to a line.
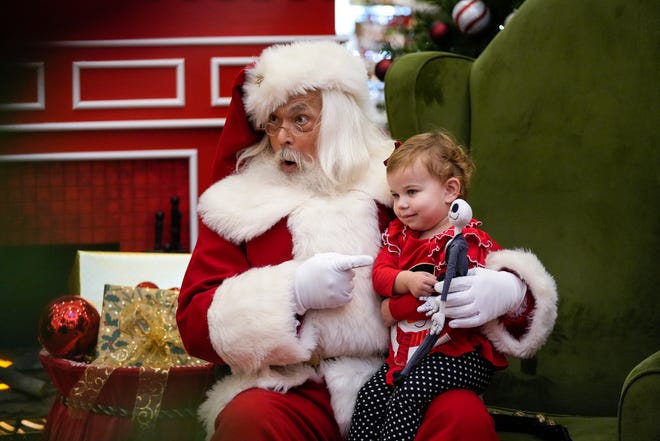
138	328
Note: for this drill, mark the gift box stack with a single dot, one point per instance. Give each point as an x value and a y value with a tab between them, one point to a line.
136	382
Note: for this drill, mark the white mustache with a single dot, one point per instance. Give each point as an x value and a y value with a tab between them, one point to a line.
290	155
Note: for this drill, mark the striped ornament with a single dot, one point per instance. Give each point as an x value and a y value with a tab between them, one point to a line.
471	16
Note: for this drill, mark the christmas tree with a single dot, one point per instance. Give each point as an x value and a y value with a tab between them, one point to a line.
460	26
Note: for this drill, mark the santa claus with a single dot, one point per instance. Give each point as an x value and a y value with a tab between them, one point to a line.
279	283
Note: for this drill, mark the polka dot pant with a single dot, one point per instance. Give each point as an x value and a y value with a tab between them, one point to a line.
387	413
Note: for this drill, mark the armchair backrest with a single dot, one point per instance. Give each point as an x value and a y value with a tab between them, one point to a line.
561	117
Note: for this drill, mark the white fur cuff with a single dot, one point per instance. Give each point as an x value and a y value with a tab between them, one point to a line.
542	319
252	320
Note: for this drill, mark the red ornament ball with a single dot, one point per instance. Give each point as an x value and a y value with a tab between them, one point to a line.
471	16
438	31
69	327
147	284
381	68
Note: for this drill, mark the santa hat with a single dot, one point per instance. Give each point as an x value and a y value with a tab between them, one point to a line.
237	133
283	71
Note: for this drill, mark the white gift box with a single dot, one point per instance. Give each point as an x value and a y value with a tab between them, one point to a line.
95	269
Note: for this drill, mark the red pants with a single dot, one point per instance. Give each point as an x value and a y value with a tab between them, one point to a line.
304	414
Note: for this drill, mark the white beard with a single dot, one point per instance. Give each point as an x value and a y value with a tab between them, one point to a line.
309	175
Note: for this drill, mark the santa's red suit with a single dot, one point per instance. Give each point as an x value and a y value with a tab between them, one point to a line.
300	375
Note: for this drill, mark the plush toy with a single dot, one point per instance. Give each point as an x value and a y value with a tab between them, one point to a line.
460	214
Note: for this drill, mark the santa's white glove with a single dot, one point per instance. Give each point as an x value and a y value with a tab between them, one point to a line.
482	296
326	280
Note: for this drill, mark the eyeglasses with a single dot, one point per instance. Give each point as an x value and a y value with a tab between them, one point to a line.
296	129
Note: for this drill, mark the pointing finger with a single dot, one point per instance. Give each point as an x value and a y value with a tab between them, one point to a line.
349	262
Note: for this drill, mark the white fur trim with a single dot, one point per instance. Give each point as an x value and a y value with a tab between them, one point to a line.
252	320
283	71
344	377
280	380
243	206
542	286
345	223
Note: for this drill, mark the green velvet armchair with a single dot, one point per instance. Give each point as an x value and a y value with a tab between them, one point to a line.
561	115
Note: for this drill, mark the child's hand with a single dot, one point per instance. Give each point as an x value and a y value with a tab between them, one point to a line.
388	319
416	283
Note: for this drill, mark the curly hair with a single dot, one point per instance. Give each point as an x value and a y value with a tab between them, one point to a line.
440	153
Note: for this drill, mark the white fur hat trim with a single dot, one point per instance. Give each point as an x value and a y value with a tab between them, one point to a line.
283	71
